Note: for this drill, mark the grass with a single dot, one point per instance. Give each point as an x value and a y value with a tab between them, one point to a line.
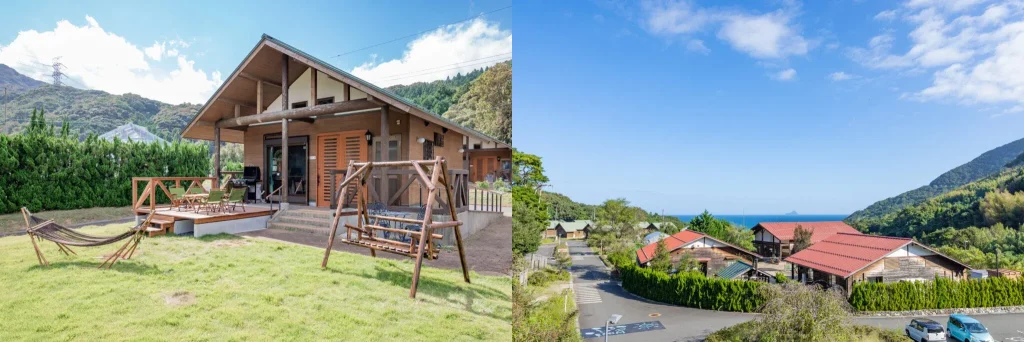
861	333
230	288
12	223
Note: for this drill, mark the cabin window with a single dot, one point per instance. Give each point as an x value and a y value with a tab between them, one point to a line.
325	100
477	146
300	104
428	150
438	139
875	279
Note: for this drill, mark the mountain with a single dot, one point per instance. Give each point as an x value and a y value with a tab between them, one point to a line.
792	213
15	82
984	165
438	95
487	105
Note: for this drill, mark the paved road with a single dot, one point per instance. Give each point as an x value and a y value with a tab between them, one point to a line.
599	298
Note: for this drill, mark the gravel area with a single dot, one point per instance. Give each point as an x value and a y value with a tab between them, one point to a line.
488	252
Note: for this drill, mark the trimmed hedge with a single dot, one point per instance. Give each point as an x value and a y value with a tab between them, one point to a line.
692	289
942	293
46	171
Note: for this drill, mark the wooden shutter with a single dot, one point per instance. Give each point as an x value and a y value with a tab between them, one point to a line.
334	150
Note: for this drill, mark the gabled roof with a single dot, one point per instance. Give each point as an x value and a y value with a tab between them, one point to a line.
680	239
553	224
844	254
822	230
355	82
574	226
131	132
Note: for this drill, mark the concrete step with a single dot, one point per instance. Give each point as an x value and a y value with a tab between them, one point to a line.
306	220
320	214
316	230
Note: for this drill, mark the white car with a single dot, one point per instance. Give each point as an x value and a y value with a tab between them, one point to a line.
924	330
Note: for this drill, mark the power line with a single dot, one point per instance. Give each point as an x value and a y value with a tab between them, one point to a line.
458	65
422	32
428	73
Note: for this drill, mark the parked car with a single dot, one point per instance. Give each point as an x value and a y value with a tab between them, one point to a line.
924	330
964	328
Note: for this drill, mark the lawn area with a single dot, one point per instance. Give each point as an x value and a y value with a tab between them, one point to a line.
11	223
231	288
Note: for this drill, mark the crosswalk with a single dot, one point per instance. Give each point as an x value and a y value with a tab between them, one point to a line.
587	293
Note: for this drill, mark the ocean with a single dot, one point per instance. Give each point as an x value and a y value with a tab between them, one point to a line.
752	220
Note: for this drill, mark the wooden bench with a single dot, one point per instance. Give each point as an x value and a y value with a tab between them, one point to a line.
160	225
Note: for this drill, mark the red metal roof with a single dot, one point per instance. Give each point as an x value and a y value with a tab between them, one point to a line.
671	243
843	254
822	230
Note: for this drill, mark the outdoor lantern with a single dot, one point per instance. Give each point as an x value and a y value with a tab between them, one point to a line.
369	137
421	140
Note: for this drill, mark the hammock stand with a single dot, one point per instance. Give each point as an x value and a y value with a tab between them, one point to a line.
41	229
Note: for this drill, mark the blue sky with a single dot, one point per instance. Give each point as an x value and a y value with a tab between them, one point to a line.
764	107
181	51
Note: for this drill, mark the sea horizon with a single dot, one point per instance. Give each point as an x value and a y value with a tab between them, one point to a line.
750	220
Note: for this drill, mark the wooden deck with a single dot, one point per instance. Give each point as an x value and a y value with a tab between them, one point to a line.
210	217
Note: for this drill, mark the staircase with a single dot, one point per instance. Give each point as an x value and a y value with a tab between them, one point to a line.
312	221
160	225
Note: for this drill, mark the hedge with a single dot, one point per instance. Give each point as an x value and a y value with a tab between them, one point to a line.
942	293
47	171
692	289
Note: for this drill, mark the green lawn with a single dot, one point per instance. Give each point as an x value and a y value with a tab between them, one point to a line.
231	288
14	222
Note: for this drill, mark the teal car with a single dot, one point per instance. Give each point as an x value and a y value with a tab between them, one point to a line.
964	328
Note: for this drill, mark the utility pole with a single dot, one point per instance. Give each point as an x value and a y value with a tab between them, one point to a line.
57	73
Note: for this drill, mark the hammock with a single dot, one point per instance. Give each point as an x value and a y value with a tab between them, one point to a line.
41	229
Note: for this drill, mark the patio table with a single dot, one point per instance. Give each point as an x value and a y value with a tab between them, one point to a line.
191	199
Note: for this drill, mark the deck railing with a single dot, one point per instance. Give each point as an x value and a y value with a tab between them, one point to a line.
155	185
486	200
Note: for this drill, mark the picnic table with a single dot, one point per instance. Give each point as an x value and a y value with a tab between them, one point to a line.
192	199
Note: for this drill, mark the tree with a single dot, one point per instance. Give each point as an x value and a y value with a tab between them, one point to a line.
687	263
723	230
529	219
618	217
527	170
801	238
662	260
487	105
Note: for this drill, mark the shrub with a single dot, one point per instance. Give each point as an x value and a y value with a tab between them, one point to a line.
544	277
45	171
692	289
781	278
543	320
942	293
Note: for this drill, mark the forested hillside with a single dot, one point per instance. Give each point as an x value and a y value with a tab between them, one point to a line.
984	165
487	106
970	223
15	82
438	95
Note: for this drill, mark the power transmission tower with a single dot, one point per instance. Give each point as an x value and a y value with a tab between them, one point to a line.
57	73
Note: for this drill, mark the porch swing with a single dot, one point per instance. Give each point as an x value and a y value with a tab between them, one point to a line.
421	243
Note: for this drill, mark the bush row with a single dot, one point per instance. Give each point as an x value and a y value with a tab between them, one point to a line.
692	289
55	172
942	293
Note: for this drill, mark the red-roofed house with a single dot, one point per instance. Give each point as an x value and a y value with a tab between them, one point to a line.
712	254
845	258
776	238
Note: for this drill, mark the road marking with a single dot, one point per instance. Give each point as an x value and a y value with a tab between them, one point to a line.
587	293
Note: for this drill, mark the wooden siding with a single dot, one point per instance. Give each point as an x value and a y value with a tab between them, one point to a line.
717	258
895	269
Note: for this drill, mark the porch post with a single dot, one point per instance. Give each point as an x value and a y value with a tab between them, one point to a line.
284	133
465	153
385	138
216	155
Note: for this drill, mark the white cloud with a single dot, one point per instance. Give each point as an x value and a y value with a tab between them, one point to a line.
156	51
886	15
697	45
106	61
432	56
841	76
784	75
765	36
973	51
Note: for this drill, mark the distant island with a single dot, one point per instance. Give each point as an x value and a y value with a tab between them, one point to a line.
792	213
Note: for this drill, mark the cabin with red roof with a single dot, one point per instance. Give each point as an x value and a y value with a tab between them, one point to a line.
845	258
775	239
716	258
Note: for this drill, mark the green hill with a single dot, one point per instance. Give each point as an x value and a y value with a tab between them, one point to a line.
984	165
438	95
15	82
487	105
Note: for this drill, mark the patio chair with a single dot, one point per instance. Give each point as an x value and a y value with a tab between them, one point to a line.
235	197
214	202
196	190
177	197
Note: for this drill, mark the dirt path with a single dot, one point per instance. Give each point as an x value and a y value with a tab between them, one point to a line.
488	252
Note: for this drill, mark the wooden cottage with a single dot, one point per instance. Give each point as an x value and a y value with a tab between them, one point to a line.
302	120
775	239
713	255
844	258
568	229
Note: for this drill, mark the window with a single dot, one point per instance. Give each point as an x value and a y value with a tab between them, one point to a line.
300	104
326	100
477	146
428	150
438	139
877	279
